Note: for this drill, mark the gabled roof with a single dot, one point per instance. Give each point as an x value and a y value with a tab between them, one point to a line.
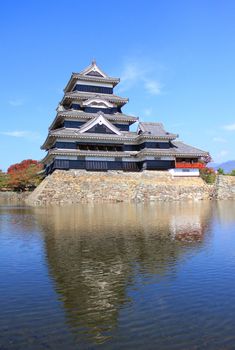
100	120
93	74
94	70
154	129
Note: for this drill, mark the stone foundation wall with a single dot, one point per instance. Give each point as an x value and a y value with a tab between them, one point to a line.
76	186
225	187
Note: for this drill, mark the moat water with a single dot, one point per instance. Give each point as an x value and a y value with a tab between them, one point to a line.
118	276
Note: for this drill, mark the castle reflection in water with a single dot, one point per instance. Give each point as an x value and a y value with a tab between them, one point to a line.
96	253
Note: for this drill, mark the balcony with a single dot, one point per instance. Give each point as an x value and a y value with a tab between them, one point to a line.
187	165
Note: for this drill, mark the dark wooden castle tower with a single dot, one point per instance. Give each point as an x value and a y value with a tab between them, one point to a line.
90	132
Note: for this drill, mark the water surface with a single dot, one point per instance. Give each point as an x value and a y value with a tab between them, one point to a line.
118	276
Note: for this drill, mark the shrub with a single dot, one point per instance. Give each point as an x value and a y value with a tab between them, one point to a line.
232	173
208	175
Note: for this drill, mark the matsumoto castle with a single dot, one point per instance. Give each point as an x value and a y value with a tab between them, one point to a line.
90	132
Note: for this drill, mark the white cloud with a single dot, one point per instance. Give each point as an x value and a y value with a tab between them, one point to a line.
30	135
16	102
229	127
153	87
132	72
137	73
219	140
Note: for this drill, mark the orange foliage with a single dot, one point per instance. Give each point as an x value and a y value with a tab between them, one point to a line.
24	175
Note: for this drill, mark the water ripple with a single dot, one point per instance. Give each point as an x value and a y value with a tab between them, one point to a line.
118	276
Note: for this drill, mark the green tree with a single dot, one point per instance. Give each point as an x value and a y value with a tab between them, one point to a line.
3	180
220	171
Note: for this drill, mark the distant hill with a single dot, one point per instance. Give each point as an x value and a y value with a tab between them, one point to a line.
226	166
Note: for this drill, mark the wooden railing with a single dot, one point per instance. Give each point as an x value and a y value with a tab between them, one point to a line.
183	165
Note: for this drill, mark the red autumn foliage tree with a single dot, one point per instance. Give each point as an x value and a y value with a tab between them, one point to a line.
24	176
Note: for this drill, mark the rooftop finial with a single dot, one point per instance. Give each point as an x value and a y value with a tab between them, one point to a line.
93	61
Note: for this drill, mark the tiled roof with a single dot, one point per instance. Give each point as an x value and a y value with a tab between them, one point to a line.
96	78
182	150
80	95
77	76
64	132
155	129
181	147
85	115
74	132
75	114
70	152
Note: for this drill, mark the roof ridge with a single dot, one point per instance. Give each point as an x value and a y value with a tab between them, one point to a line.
153	123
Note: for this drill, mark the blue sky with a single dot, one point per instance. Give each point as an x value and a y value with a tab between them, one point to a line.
176	60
